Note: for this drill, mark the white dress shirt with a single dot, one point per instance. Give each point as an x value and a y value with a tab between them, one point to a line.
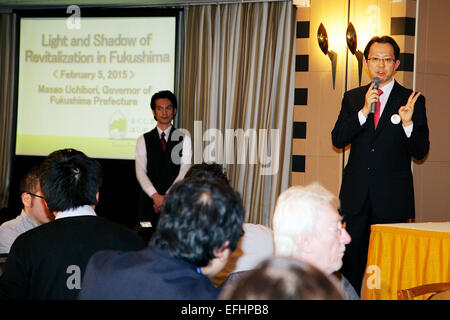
256	245
85	210
141	161
387	89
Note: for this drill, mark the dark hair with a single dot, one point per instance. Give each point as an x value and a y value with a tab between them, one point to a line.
62	154
207	170
383	39
165	94
283	278
70	179
197	217
30	181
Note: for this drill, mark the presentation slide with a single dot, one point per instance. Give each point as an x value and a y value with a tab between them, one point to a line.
90	88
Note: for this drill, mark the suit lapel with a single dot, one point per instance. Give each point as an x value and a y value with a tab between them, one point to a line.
391	108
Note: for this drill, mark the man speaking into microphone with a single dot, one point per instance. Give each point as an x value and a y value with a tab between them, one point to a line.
386	125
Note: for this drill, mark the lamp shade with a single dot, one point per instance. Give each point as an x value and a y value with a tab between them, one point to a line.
352	41
322	38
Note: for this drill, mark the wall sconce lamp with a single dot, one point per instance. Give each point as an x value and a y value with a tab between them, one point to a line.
352	44
322	38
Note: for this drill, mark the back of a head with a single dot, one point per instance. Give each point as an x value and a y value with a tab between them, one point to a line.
198	216
62	154
207	170
282	278
30	181
296	213
69	179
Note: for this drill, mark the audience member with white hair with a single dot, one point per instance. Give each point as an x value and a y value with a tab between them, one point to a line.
307	226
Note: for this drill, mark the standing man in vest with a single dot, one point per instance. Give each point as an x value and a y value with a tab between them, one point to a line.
377	183
160	162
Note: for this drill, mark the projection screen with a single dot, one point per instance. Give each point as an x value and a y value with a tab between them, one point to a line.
89	88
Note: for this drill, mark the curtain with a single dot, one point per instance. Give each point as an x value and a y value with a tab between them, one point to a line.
237	95
7	34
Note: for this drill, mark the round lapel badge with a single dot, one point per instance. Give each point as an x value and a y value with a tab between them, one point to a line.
395	119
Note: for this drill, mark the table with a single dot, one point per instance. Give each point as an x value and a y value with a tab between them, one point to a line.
405	255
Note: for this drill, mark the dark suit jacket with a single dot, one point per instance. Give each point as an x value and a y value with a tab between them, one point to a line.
150	274
48	262
379	164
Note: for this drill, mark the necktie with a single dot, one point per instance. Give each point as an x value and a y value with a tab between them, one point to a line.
376	115
163	141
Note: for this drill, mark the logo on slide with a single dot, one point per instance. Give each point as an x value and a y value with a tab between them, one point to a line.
117	126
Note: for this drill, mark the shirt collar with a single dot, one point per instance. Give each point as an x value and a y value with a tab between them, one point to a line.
85	210
388	88
167	131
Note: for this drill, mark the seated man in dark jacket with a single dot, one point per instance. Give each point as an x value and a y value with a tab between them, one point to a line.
48	262
201	223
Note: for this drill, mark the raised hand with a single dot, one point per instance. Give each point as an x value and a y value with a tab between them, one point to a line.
405	112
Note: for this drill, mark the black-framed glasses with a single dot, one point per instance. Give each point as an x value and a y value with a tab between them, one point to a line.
35	195
384	60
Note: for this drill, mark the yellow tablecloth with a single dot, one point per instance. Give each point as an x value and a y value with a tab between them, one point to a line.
406	255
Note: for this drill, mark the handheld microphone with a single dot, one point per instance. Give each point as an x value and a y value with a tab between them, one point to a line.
373	106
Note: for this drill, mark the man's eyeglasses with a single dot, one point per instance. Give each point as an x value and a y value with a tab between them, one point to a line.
341	227
35	195
386	61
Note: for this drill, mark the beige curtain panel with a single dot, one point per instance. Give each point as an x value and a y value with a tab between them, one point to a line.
237	95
